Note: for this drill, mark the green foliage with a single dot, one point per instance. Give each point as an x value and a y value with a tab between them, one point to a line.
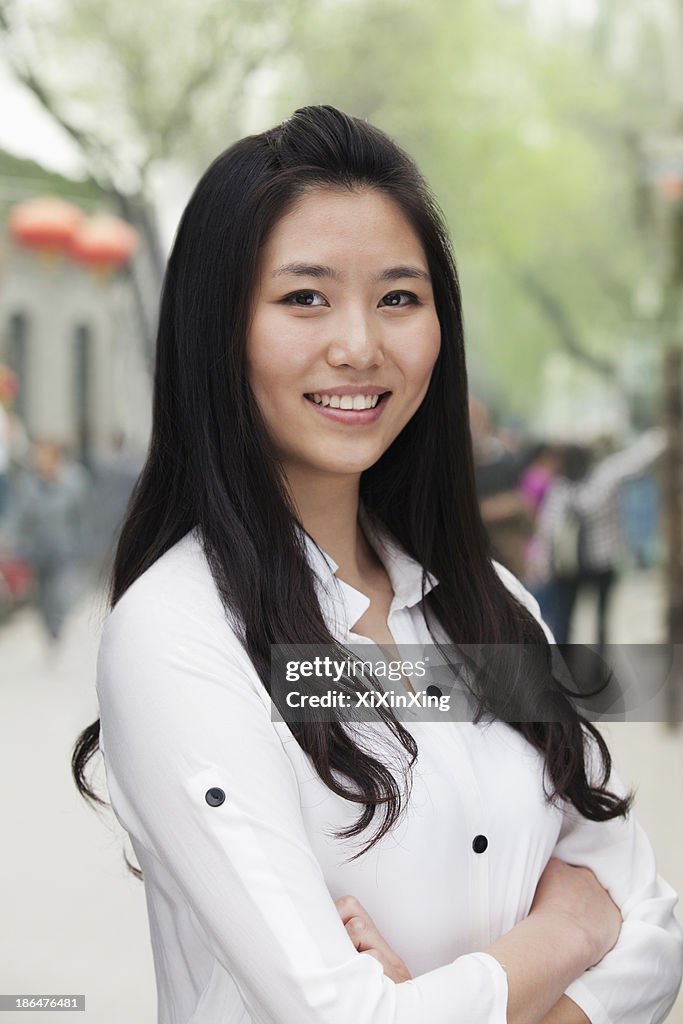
515	131
524	133
145	83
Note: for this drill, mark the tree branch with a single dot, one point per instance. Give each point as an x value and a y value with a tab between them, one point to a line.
556	313
94	152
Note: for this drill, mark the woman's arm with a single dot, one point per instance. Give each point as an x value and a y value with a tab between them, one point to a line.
568	896
367	938
638	980
541	955
566	1012
611	472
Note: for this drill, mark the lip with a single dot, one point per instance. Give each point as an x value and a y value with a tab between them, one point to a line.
349	417
349	389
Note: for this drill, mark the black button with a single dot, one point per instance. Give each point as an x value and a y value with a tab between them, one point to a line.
215	796
479	844
433	691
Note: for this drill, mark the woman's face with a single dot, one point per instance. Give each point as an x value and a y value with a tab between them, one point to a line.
343	309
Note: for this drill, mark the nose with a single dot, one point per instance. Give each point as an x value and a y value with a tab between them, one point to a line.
357	341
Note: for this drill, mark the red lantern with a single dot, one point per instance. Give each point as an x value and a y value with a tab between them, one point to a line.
46	224
103	243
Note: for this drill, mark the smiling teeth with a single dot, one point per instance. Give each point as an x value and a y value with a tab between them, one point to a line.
347	401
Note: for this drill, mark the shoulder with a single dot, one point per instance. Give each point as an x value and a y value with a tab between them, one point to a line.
512	582
170	624
524	596
176	593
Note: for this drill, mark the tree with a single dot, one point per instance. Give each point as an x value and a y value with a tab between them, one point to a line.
512	128
137	86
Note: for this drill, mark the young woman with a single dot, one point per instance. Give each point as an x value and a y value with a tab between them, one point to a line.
310	481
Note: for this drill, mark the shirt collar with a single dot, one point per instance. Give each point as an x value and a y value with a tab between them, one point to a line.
341	603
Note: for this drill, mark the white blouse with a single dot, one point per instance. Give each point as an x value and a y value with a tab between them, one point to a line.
240	893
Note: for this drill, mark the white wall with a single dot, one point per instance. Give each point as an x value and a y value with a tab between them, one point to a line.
56	297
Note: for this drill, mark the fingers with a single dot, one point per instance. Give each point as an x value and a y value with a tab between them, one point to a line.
363	933
367	938
392	965
349	906
376	954
359	925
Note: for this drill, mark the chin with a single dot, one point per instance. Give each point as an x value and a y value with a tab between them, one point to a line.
343	467
352	465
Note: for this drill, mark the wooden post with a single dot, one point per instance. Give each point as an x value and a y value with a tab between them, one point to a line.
673	518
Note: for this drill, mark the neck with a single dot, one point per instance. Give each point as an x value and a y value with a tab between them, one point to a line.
328	510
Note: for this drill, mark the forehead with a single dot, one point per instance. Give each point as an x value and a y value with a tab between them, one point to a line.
328	224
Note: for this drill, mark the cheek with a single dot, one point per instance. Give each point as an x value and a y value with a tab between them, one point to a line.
419	359
276	356
434	347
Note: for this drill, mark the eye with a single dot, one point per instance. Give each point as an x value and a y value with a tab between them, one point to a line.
393	299
304	298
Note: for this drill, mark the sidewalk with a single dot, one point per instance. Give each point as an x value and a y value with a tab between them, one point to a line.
78	918
637	614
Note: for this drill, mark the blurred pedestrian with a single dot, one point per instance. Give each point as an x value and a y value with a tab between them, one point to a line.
49	525
114	475
640	509
4	459
544	463
8	388
580	528
14	442
504	509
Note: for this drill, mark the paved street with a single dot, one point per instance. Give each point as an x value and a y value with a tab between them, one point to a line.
74	918
78	918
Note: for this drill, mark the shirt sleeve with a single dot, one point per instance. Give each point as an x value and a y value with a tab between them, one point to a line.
638	980
183	714
614	469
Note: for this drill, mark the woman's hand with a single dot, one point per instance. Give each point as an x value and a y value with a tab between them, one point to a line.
572	891
366	938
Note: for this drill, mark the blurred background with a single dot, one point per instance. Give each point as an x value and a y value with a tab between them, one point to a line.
551	132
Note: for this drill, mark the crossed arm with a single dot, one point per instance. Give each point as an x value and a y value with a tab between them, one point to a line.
565	1011
367	938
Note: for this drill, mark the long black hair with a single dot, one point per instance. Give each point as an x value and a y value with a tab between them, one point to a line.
211	464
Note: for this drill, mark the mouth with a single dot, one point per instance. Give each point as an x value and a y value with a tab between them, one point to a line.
347	403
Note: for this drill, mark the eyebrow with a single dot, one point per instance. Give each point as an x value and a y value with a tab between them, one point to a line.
319	270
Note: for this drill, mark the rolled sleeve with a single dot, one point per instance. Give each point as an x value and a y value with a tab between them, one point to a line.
182	713
638	980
